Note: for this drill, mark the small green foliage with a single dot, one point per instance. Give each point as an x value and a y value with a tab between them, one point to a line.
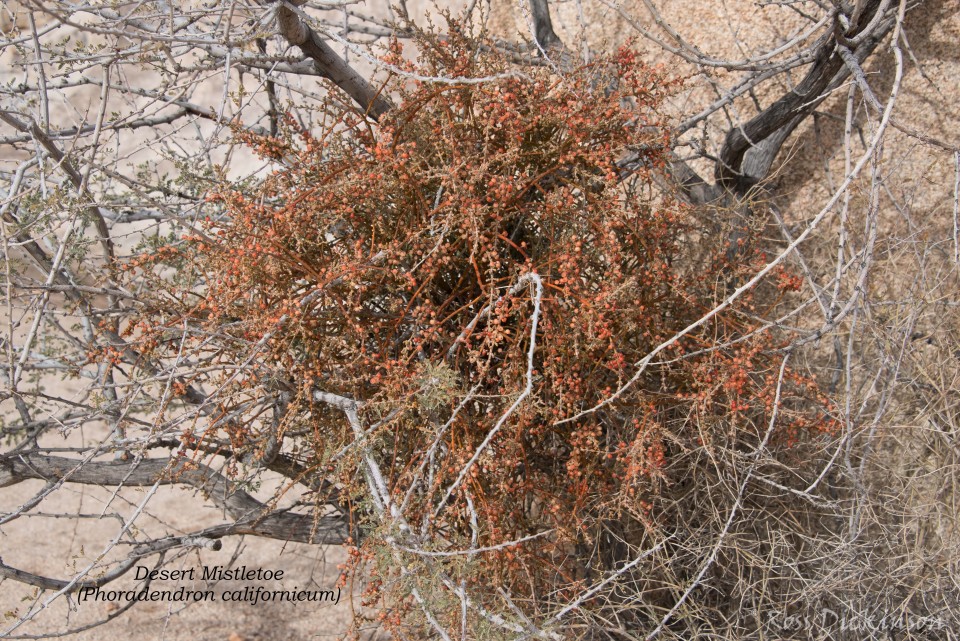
438	384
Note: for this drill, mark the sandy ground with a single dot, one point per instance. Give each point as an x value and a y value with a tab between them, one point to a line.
922	176
59	548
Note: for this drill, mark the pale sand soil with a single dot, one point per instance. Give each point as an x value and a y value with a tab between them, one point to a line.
919	175
60	547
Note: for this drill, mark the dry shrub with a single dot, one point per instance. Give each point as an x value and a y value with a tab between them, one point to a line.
483	278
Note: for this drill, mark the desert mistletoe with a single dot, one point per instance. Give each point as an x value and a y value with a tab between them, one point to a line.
426	299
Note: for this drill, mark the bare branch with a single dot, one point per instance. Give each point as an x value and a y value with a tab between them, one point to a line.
250	515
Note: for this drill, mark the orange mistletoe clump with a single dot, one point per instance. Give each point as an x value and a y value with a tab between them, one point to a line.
476	269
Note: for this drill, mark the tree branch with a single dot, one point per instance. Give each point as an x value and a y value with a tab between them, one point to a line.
764	134
250	515
543	26
328	63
